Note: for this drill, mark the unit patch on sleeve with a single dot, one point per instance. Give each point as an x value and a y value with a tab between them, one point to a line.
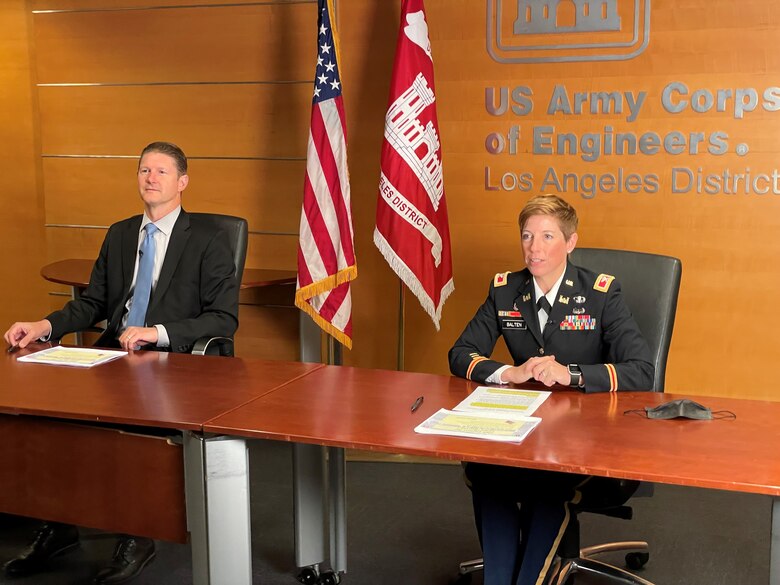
602	282
500	279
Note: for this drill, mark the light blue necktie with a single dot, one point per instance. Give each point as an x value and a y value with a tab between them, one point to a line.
143	280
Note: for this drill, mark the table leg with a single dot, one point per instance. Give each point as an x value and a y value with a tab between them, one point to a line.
309	504
216	472
337	505
309	470
774	555
309	339
311	465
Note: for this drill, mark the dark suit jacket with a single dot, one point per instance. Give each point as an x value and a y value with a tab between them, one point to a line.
590	326
196	294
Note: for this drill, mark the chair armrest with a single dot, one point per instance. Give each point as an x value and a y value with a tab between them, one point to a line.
213	346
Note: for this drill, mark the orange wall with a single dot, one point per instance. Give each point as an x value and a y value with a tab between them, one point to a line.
231	85
727	242
21	214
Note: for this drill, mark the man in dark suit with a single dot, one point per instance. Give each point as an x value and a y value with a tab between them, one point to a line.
161	281
563	325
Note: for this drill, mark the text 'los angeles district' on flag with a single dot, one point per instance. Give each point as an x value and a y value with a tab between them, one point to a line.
326	254
412	231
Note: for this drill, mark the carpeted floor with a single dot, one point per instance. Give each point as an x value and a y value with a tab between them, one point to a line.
410	524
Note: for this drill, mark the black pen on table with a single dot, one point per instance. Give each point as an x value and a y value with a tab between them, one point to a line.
13	348
417	403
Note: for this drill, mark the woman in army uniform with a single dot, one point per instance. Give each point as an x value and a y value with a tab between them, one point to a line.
562	325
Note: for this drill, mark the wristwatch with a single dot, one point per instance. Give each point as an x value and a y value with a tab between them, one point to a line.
575	374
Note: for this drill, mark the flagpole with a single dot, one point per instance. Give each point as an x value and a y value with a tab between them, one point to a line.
401	328
334	357
326	267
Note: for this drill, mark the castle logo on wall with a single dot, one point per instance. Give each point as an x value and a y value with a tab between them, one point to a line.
545	31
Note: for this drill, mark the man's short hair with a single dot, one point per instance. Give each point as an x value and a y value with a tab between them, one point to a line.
553	205
176	153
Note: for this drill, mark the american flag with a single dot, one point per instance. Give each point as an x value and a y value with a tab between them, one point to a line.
326	254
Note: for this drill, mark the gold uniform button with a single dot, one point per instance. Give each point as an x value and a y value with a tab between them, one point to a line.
541	350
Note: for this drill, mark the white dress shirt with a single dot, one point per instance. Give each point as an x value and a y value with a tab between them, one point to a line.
161	239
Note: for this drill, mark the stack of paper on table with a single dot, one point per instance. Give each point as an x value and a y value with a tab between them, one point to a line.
497	414
81	357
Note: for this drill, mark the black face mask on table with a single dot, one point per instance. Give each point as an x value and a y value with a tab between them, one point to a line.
683	408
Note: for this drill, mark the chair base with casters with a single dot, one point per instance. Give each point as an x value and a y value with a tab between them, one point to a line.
587	566
465	569
572	560
584	564
312	576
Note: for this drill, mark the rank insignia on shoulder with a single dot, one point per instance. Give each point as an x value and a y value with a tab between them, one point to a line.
603	282
500	279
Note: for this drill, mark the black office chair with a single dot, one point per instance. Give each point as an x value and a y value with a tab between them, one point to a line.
237	231
650	285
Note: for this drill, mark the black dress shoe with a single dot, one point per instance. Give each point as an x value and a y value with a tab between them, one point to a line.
131	555
50	540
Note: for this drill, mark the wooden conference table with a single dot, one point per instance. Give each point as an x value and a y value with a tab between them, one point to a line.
128	470
589	434
70	472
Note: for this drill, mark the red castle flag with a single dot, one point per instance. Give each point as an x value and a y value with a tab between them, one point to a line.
326	255
412	231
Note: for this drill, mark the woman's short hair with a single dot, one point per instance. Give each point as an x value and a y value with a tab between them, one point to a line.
553	205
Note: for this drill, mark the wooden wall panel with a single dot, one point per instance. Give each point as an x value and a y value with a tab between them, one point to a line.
98	191
90	191
272	252
271	332
366	75
725	241
205	120
268	42
63	243
264	251
22	295
125	5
